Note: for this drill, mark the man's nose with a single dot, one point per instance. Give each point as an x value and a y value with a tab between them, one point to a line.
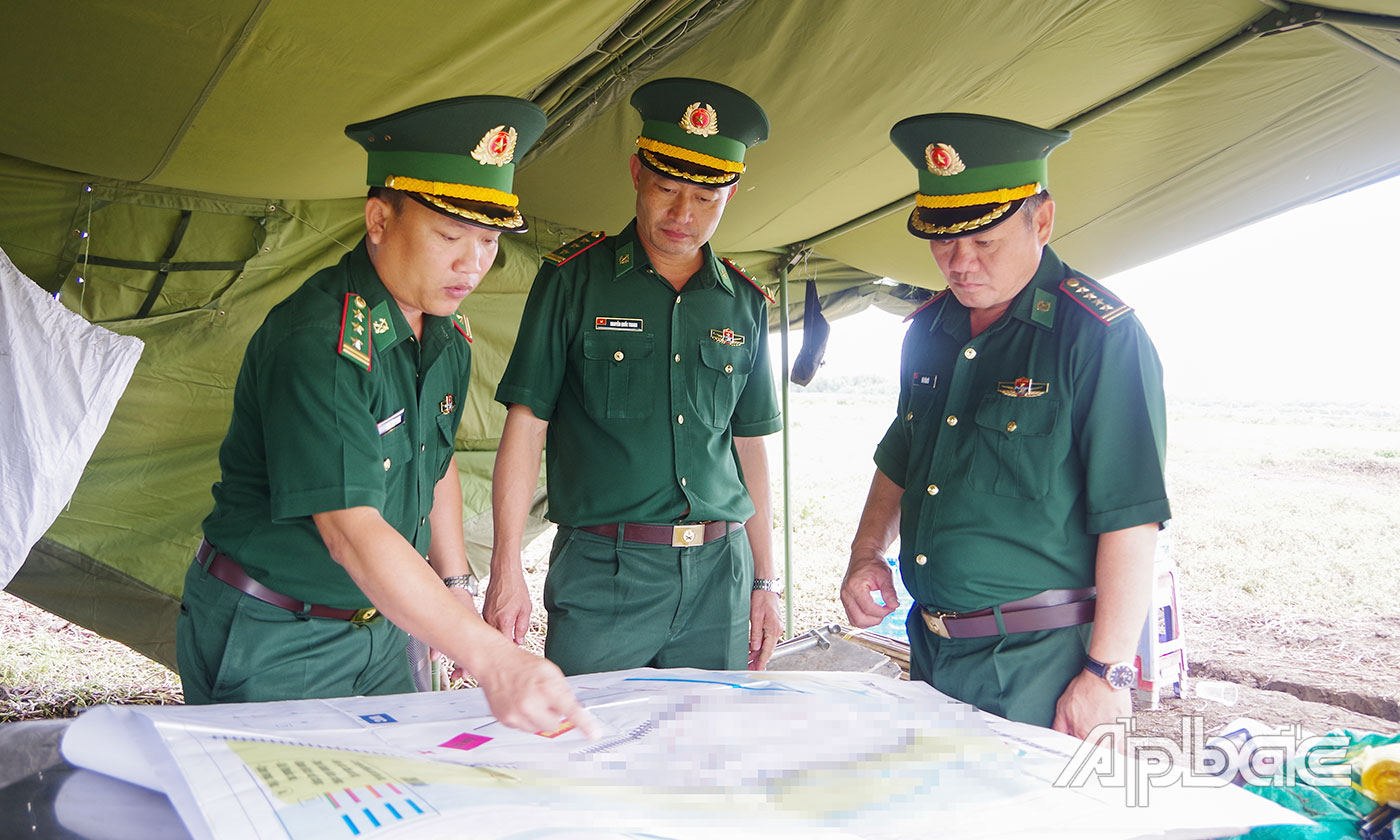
473	259
963	257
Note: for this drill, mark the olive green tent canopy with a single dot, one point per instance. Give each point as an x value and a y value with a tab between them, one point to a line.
185	159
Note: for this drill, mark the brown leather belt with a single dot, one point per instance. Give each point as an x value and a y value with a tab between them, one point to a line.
227	570
678	536
1049	610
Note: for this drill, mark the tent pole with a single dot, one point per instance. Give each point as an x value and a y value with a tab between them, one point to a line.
787	474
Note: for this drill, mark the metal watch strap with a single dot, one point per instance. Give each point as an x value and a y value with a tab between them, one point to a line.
767	585
467	582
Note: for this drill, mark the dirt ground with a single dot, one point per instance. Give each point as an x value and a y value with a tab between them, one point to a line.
1322	674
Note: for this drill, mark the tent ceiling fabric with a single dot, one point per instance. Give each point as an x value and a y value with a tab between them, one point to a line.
233	110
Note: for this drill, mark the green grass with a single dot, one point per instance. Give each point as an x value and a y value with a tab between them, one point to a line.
50	668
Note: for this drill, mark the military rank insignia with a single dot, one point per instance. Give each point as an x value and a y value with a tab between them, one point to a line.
573	248
1101	303
727	337
925	305
354	337
463	326
744	274
1023	386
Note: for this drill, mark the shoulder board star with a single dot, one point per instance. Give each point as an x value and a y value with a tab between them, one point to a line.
355	346
925	305
1101	303
463	326
572	249
739	271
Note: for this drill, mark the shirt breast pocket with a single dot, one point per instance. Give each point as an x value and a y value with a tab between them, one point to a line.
617	376
1014	451
447	439
719	381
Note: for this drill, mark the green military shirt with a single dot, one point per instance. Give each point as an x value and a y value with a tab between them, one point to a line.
314	431
1017	448
644	388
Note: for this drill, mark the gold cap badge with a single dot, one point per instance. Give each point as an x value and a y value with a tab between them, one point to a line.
943	159
700	119
497	148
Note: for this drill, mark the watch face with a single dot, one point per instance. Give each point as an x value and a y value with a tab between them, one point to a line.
1121	676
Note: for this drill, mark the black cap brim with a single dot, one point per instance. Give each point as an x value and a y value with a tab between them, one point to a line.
474	213
953	222
686	172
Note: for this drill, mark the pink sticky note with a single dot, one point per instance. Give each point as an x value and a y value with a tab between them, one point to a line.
465	741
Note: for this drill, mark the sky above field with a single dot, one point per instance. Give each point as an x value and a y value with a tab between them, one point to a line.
1301	307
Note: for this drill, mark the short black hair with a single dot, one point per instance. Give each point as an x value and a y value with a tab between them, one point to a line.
394	197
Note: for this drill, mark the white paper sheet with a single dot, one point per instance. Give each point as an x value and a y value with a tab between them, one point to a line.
60	379
685	754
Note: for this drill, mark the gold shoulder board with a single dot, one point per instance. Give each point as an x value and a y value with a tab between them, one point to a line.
744	274
463	326
572	249
355	342
1100	302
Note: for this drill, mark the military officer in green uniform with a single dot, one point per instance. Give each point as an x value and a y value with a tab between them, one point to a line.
642	360
1023	472
338	479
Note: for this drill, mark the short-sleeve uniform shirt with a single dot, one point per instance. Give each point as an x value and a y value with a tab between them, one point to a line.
644	388
314	431
1017	448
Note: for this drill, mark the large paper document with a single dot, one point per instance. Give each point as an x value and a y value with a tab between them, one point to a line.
685	754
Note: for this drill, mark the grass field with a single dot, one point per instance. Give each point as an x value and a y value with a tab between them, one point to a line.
1290	510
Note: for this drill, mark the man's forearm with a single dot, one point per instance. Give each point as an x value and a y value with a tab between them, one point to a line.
753	461
513	482
448	551
1123	576
879	520
405	589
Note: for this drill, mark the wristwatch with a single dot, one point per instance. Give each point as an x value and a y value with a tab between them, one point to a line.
1119	675
467	582
767	585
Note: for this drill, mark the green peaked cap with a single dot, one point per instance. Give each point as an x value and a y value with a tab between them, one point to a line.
696	130
975	171
456	156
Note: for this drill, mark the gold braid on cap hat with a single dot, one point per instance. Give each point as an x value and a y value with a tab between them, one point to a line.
515	220
1007	195
485	195
717	180
970	224
697	158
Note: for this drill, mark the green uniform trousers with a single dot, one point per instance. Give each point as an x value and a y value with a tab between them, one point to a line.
1019	676
233	648
615	605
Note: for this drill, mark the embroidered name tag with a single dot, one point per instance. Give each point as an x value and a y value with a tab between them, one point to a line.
623	324
925	380
388	424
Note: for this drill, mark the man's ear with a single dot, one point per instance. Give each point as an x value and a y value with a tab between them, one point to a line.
634	165
377	215
1045	221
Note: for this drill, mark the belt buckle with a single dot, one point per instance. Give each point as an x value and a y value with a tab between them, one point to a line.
683	536
364	615
935	623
